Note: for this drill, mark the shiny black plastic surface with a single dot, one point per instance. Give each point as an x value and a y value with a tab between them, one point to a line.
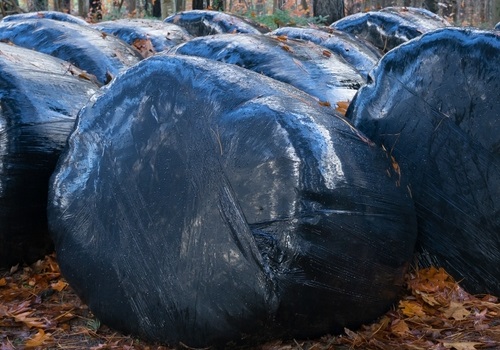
162	35
39	99
199	202
104	56
435	103
357	52
385	30
55	15
419	16
206	22
305	65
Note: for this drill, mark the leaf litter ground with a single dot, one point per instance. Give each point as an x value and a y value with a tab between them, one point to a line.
39	310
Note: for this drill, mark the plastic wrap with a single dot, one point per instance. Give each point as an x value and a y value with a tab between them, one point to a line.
385	30
55	15
39	99
357	52
202	203
497	27
145	33
419	16
205	22
435	103
305	65
103	56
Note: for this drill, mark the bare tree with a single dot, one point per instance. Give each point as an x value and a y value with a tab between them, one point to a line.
331	9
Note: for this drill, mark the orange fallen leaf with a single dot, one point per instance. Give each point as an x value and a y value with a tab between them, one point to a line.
324	103
456	311
428	299
399	327
59	285
39	339
342	107
145	47
411	308
3	282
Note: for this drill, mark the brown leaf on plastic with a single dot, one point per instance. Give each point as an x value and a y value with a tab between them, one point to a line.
145	47
342	106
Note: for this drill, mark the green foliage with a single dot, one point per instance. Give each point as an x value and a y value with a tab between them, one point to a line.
282	18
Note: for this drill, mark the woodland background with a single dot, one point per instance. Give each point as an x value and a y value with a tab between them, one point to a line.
478	13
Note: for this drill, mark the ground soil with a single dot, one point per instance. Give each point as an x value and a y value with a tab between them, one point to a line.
39	310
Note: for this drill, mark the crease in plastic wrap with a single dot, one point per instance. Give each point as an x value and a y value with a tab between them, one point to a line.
202	203
390	28
103	56
305	65
207	22
435	103
55	15
357	52
136	32
39	100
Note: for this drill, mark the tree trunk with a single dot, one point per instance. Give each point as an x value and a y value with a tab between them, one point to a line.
496	12
132	6
333	10
167	8
180	5
197	4
431	5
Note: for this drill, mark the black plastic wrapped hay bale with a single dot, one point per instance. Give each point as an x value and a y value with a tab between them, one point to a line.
385	30
55	15
144	33
206	22
101	55
419	16
199	202
305	65
360	54
39	99
435	103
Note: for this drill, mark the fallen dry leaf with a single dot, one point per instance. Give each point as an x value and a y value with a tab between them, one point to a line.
457	311
39	339
59	285
411	308
460	345
430	315
342	107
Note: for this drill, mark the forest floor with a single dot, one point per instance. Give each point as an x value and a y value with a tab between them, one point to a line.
39	310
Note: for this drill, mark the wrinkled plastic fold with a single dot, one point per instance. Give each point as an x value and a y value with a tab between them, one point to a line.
202	203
